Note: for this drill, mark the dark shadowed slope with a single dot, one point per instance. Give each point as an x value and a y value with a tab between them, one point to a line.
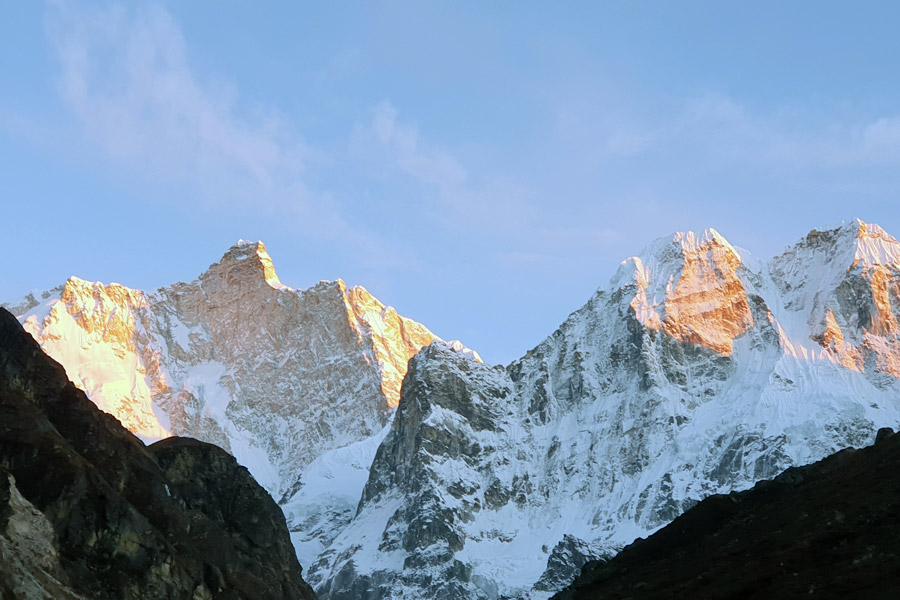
87	511
827	530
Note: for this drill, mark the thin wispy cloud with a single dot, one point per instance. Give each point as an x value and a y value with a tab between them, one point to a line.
125	75
596	126
464	205
720	125
451	198
430	165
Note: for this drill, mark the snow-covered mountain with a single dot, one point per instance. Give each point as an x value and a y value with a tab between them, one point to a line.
285	380
697	370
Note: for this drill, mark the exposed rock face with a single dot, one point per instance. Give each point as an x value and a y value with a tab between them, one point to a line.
105	519
827	530
843	286
697	371
219	495
422	484
705	301
570	554
277	377
30	567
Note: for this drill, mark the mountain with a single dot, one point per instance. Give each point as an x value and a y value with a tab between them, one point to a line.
826	530
88	512
292	383
697	371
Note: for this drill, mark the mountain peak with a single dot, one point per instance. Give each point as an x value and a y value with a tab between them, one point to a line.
672	250
664	259
691	241
855	243
688	286
875	246
860	229
250	258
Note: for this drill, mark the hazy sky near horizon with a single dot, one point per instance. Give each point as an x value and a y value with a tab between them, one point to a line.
482	167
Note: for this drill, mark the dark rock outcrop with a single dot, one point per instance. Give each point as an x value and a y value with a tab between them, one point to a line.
827	530
219	496
568	556
29	559
180	520
450	408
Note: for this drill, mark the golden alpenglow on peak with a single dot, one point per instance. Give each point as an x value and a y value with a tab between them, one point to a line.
394	339
247	260
688	286
272	374
708	305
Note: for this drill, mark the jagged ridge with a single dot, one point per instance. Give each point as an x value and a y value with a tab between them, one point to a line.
278	377
697	371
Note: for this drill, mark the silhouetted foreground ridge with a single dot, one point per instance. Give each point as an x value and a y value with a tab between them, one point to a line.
827	530
87	511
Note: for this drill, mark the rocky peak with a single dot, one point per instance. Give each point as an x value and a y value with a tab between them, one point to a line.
844	283
394	339
245	263
109	312
875	247
452	409
689	286
683	379
666	255
692	242
286	380
850	245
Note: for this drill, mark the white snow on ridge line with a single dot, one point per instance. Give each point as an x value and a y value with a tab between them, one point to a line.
276	376
610	455
793	388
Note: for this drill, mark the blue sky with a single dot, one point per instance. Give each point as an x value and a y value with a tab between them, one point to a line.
482	167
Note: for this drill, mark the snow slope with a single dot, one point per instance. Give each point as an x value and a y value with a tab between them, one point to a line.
278	377
697	370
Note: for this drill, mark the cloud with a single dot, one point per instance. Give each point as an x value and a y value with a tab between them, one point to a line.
451	197
429	165
606	131
800	137
126	76
596	127
876	143
493	212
